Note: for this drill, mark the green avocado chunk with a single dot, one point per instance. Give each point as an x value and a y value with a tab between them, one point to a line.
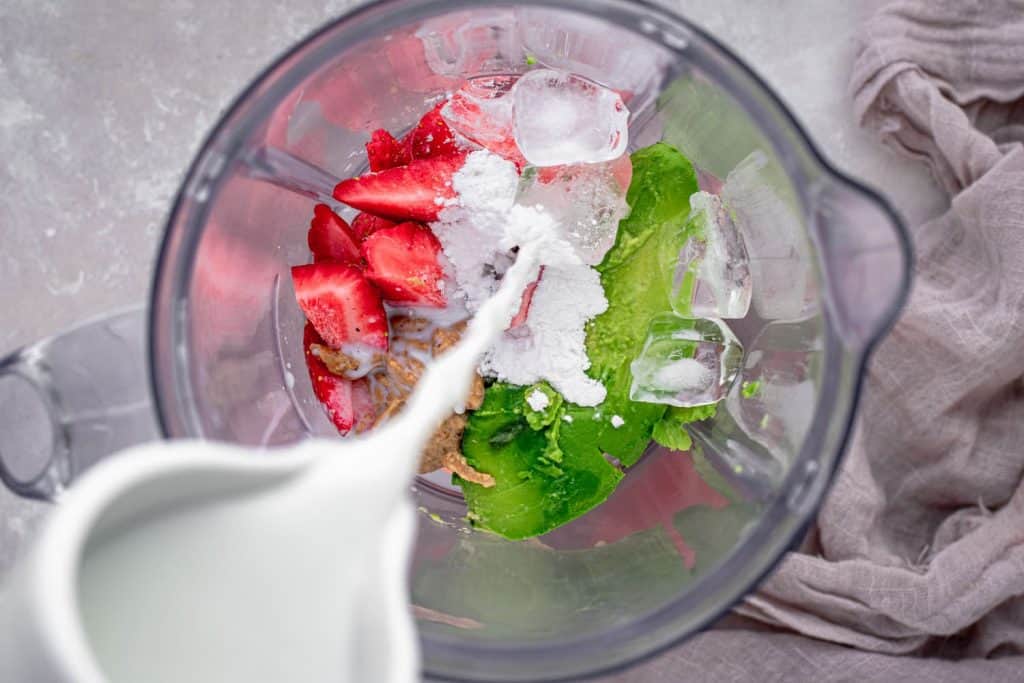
551	468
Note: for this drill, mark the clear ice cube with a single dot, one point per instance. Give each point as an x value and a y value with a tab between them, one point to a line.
586	200
686	362
777	389
460	43
579	44
756	195
753	471
710	275
561	118
759	430
481	111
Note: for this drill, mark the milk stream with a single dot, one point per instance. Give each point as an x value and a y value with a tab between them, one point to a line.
303	581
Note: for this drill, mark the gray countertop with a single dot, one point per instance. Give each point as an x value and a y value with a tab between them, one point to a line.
104	102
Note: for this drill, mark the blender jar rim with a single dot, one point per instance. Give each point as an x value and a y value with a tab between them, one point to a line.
841	382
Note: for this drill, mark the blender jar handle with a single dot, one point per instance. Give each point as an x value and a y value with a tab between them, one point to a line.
71	399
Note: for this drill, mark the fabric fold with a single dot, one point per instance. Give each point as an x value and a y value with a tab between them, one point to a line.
922	536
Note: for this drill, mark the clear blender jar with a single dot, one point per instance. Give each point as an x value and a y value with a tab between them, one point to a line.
684	536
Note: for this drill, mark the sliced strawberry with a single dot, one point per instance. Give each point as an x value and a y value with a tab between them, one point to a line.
365	224
384	151
330	238
403	262
363	408
341	304
415	192
335	393
520	317
347	402
431	137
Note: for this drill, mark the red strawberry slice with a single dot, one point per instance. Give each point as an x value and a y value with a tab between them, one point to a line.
519	319
341	304
330	238
403	262
365	224
431	137
384	151
363	408
415	192
348	403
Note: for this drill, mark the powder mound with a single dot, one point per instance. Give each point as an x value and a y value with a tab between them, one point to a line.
554	348
479	230
472	226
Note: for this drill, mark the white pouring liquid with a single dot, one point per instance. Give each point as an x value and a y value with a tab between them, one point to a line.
305	581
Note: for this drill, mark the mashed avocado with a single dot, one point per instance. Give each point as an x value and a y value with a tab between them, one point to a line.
549	465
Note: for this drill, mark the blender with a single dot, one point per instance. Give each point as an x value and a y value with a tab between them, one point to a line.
218	352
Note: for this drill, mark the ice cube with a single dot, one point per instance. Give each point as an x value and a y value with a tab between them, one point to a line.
460	43
481	111
710	275
580	44
686	362
777	392
753	471
561	118
756	194
586	200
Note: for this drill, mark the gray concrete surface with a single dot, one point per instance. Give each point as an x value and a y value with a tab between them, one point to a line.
103	103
